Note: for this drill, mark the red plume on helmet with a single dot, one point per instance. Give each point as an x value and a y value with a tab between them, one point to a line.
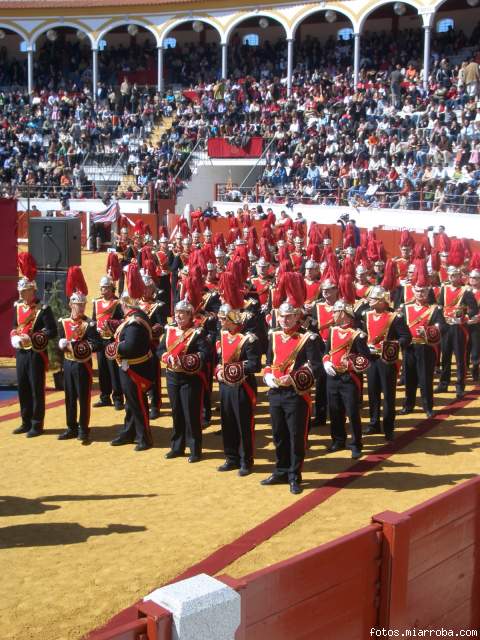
347	289
271	218
75	282
114	269
283	254
288	224
197	258
146	254
280	233
326	253
232	235
133	282
194	286
246	221
147	230
360	255
163	232
252	235
139	228
420	275
456	255
349	237
284	267
348	266
295	288
183	227
390	276
333	266
327	234
406	239
27	265
231	289
196	226
149	268
466	248
265	250
315	235
382	254
372	249
442	243
208	252
314	252
252	246
279	293
364	239
435	260
267	233
299	229
219	241
426	243
475	261
207	225
241	251
419	251
123	222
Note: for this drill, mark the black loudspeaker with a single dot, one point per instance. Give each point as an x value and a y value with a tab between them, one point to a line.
55	242
45	282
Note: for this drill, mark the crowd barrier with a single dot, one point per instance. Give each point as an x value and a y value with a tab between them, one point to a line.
403	572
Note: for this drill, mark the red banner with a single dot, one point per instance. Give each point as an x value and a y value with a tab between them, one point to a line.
220	148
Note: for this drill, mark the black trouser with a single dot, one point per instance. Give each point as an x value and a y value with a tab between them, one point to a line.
165	292
454	340
290	414
237	410
155	393
136	425
419	361
382	379
321	394
186	401
31	388
78	392
343	397
108	377
474	344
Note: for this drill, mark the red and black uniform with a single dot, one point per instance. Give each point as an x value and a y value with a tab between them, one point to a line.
157	316
107	314
402	266
425	323
313	288
186	388
458	304
165	260
349	354
387	334
474	332
362	290
32	362
133	340
124	249
261	287
298	355
322	320
78	372
238	357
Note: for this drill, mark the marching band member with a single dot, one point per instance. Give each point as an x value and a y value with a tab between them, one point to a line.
33	326
293	359
78	340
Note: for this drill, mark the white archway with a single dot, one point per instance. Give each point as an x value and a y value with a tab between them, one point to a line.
46	26
124	23
169	27
312	11
15	29
363	17
257	14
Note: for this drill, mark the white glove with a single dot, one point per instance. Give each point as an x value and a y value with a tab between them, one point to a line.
329	368
270	381
124	365
63	344
16	342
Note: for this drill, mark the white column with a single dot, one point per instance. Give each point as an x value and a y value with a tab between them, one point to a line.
289	65
224	46
356	59
30	70
94	73
426	54
160	69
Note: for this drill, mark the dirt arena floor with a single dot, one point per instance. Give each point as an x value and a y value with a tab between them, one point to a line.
87	531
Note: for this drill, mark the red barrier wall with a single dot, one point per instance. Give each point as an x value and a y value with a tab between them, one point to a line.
418	569
8	272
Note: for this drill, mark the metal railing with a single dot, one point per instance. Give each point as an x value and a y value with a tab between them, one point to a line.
419	200
260	161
